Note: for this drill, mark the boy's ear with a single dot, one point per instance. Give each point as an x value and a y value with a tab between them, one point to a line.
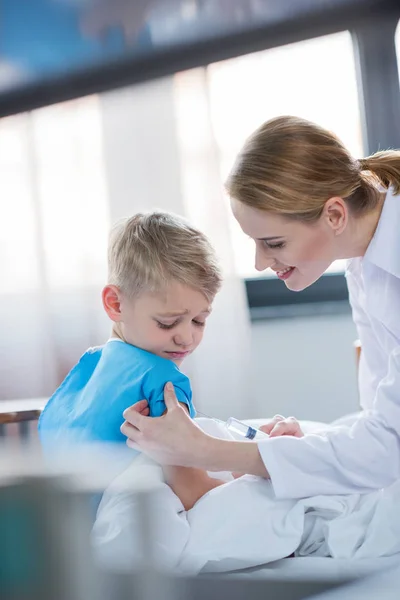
111	297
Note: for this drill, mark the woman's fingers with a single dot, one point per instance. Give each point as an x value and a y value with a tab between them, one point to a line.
132	445
280	426
130	430
268	427
134	413
170	398
289	426
140	406
172	438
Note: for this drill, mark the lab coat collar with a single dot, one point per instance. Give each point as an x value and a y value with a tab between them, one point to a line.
384	248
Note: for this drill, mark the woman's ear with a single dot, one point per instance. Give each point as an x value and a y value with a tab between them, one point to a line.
111	297
335	214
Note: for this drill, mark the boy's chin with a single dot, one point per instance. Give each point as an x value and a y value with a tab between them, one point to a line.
177	361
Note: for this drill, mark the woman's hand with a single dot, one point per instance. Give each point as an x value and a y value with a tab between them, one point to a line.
280	426
173	439
142	408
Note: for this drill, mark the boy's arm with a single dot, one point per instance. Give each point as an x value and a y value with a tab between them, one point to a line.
188	483
155	395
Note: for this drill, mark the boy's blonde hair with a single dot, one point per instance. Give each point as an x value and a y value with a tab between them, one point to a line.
148	251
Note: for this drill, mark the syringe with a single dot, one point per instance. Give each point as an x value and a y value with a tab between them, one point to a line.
239	428
249	433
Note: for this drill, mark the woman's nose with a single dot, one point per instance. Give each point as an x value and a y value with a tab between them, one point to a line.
263	262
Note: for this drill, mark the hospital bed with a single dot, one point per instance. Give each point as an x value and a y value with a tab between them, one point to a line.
19	417
58	528
319	569
54	513
291	578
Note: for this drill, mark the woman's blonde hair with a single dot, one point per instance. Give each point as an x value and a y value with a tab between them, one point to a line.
148	251
290	166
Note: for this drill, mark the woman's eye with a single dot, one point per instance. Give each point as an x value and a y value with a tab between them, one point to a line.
274	246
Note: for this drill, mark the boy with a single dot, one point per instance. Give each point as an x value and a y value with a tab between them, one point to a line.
163	277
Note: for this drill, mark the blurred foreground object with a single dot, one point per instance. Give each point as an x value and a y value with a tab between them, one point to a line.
55	50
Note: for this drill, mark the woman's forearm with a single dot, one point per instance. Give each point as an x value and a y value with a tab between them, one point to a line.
226	455
175	439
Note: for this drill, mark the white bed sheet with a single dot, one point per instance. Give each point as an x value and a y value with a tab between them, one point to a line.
203	539
316	567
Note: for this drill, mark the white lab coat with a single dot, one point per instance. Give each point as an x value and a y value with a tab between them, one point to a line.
365	455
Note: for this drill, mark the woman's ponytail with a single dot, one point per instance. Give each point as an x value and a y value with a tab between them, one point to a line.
385	166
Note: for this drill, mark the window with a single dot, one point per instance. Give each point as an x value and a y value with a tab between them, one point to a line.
19	262
53	227
72	192
314	79
54	213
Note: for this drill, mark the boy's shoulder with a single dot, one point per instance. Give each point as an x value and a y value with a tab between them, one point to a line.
118	351
130	366
138	365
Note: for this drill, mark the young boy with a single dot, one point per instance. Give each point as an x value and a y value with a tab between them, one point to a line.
163	277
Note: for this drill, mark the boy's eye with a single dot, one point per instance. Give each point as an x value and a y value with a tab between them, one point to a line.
199	323
172	325
165	326
277	245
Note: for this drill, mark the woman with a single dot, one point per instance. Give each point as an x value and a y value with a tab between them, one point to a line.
306	202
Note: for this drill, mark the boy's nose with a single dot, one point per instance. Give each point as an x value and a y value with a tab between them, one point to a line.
183	338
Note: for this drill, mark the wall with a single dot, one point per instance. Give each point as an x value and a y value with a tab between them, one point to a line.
304	367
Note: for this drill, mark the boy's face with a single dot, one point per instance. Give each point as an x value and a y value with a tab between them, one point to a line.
169	323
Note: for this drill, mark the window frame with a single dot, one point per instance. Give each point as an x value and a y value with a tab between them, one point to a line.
137	68
270	298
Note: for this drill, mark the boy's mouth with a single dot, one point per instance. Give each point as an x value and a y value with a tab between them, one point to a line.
178	355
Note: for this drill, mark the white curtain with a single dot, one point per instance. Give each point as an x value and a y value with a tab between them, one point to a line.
53	231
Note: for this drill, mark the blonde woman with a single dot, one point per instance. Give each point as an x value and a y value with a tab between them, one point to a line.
306	202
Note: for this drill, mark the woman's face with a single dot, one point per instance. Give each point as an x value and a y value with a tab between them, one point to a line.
298	252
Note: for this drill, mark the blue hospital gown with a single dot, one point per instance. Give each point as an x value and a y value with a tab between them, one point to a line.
88	405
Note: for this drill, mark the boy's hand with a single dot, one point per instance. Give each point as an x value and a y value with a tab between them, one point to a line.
280	426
